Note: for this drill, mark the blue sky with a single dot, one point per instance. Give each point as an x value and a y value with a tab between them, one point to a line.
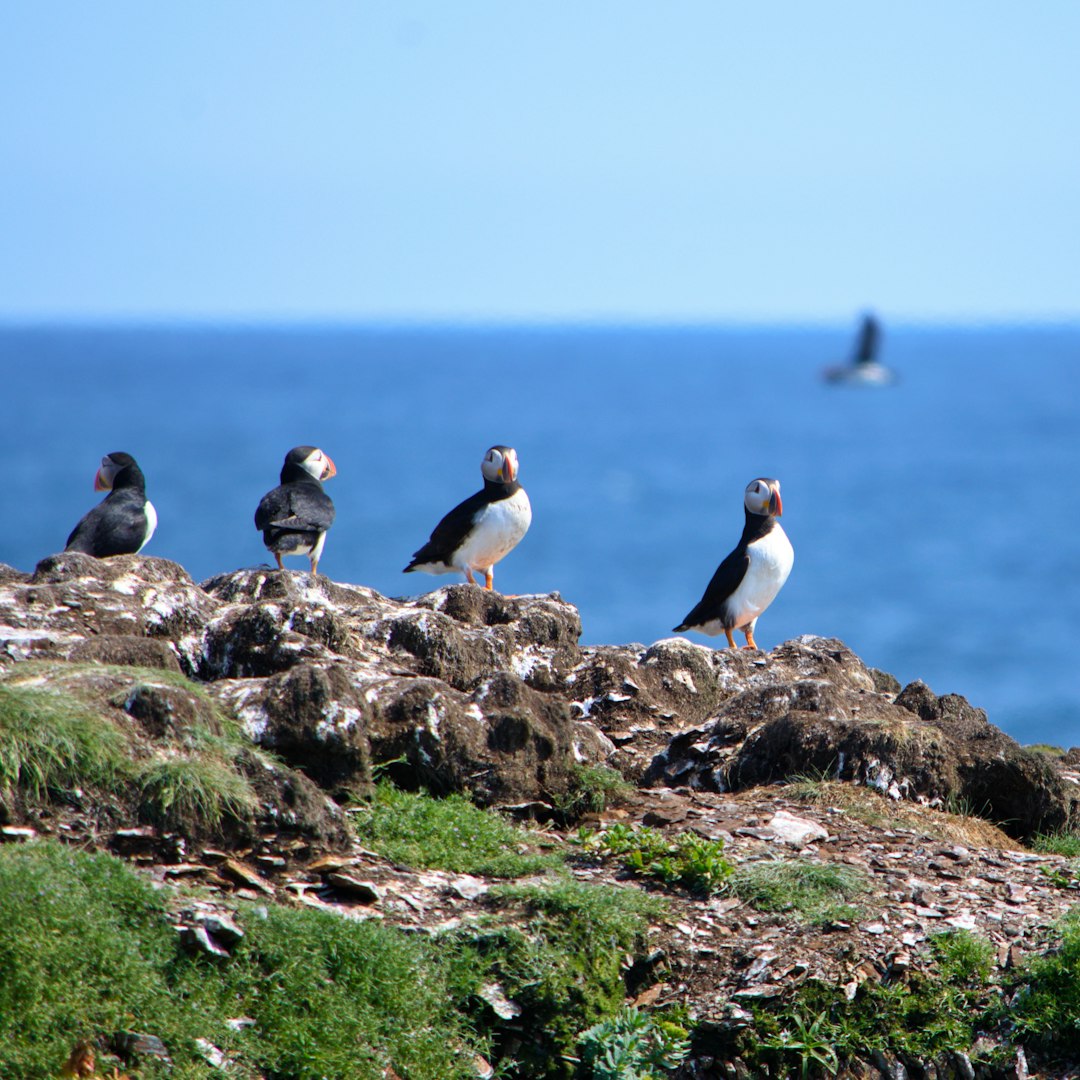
614	160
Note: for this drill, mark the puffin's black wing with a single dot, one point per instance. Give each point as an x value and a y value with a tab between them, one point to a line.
116	526
724	582
448	535
299	506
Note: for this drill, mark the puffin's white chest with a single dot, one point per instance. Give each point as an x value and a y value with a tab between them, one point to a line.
151	523
771	559
496	531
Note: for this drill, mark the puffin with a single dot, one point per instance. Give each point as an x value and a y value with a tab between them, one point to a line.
487	526
747	581
294	516
865	369
123	522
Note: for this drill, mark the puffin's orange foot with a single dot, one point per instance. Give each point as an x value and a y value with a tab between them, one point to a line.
730	639
489	579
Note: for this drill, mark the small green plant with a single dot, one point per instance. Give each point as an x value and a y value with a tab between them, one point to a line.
963	958
416	829
632	1046
689	860
816	893
809	1042
1047	1005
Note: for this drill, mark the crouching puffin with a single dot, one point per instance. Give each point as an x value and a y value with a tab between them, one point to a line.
294	516
747	581
477	533
123	522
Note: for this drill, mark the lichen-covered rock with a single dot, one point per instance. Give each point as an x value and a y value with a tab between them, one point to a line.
312	716
463	689
72	598
836	725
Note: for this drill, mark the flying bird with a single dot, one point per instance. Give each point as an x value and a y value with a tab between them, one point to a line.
865	369
483	529
123	522
294	516
747	581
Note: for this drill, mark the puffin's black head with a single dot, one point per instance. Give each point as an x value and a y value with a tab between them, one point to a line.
117	470
500	465
302	461
762	497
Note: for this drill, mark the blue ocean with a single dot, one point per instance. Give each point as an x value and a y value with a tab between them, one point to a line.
936	523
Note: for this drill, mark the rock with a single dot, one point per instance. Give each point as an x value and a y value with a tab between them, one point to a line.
364	891
16	834
245	877
918	746
464	690
795	830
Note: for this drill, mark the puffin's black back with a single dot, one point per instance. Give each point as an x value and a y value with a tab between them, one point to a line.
297	505
451	532
117	525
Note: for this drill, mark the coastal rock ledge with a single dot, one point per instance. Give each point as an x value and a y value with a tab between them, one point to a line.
461	690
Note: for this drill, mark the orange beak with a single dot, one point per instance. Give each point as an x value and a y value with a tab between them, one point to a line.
776	507
330	468
100	483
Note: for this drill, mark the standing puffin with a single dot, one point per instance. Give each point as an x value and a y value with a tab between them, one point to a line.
747	581
477	533
123	522
294	516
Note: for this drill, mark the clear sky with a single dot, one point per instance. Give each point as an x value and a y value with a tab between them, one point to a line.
459	160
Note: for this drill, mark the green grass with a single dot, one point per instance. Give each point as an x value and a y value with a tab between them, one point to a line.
1046	1011
593	788
53	741
937	1011
562	961
189	792
418	830
815	893
50	742
87	950
1064	843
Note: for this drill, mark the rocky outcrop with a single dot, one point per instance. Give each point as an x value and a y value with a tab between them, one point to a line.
462	690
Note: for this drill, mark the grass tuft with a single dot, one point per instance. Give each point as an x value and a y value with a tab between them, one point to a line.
191	793
50	742
815	893
415	829
1046	1009
1063	843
